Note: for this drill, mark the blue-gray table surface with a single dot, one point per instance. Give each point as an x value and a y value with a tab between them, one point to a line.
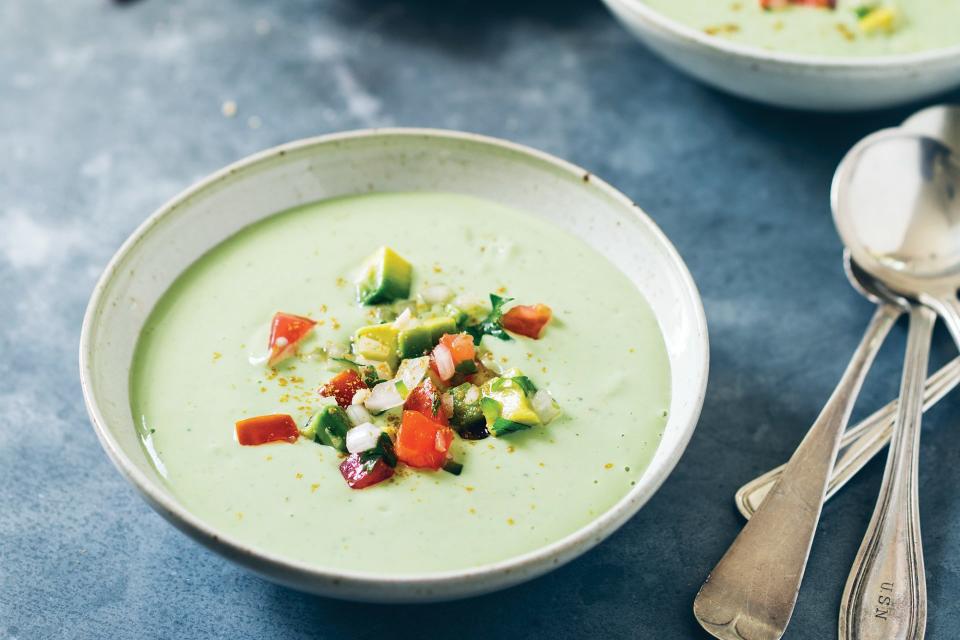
108	109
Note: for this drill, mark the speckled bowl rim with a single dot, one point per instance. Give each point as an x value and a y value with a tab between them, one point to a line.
433	586
798	61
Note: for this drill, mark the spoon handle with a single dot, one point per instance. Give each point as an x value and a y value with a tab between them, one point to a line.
859	445
886	595
751	593
948	307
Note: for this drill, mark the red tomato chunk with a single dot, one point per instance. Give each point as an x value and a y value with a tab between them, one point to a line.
422	442
527	320
262	429
343	386
424	398
285	332
360	474
460	345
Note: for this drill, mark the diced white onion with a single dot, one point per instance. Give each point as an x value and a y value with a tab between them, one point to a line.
362	437
489	361
446	401
326	401
545	406
405	320
444	358
412	371
360	396
358	414
472	396
335	350
436	294
384	396
384	372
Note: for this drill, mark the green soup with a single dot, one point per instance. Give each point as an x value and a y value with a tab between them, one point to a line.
603	358
906	26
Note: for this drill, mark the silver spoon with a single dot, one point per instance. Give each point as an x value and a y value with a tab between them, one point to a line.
896	202
864	440
941	122
751	593
902	194
860	443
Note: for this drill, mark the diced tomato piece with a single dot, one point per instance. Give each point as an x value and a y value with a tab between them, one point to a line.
360	474
527	320
780	4
263	429
343	386
460	345
285	332
424	398
422	442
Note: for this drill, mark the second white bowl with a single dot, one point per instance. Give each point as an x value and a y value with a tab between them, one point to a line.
817	83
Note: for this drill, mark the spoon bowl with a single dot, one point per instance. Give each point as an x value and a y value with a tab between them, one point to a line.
940	121
896	204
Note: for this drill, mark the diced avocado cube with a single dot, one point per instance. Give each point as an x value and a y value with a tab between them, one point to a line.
377	342
514	403
329	427
414	342
386	277
439	326
525	383
467	413
458	315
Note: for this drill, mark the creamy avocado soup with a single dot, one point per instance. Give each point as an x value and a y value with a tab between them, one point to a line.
823	27
401	383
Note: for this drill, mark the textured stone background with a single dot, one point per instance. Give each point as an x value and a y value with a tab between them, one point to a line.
106	110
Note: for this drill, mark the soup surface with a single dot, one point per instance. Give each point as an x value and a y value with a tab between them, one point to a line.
602	358
851	28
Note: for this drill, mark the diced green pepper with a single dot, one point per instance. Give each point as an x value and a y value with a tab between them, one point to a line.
467	413
386	277
383	449
454	467
467	367
377	342
329	427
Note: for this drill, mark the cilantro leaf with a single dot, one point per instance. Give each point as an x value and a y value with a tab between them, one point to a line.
492	325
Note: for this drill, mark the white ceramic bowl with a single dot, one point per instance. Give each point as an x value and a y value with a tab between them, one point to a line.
361	162
822	83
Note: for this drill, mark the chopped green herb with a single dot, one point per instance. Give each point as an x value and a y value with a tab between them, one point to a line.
502	426
492	325
864	10
384	449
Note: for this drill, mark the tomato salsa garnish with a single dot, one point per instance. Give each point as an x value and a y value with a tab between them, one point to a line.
414	381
